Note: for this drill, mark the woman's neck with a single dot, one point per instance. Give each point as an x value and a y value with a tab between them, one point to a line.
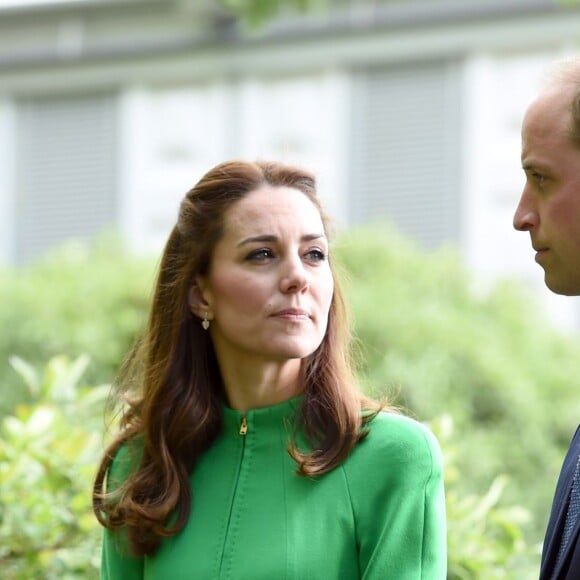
253	386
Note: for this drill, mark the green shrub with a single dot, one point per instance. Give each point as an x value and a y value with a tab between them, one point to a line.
50	448
48	454
430	340
485	536
77	300
490	360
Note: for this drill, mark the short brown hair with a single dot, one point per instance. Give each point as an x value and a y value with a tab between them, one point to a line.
566	72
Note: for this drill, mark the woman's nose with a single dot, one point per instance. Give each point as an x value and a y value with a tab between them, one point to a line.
294	277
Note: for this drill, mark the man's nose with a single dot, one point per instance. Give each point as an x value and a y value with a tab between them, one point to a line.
526	215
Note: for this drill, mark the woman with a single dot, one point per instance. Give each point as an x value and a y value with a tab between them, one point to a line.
246	450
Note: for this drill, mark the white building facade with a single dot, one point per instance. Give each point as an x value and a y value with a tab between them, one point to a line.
408	111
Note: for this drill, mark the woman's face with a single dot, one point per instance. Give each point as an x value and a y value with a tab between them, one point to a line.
269	285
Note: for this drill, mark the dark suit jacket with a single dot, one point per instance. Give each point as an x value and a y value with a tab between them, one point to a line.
569	568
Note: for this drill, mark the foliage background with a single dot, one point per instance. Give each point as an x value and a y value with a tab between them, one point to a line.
79	299
487	372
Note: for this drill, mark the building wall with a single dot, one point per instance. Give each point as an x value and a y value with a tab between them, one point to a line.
170	136
8	191
405	164
66	170
417	122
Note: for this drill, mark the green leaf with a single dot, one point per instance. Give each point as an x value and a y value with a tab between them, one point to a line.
27	372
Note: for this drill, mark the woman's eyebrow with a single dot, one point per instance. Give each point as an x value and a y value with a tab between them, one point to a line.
272	238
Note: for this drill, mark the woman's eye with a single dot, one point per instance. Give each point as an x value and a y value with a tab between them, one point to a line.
260	254
316	255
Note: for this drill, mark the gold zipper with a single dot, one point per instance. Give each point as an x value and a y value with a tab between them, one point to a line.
244	426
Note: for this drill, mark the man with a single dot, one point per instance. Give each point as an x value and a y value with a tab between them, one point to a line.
549	209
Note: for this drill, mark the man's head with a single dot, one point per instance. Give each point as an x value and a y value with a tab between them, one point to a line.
549	208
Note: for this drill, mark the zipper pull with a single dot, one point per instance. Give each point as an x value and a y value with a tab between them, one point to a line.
244	426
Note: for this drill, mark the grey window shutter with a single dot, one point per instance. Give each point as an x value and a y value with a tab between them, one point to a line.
66	171
405	149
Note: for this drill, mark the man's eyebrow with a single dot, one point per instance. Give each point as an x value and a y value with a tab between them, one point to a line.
529	165
272	238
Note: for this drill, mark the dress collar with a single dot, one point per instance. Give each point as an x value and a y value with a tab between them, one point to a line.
264	418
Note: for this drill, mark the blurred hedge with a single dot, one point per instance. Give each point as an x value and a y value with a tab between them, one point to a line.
430	340
49	449
490	360
48	453
77	300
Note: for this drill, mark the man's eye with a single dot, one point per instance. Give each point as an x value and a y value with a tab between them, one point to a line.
539	178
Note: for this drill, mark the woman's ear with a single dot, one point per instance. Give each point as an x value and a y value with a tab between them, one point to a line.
196	298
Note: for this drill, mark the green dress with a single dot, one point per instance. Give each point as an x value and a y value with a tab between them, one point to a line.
381	514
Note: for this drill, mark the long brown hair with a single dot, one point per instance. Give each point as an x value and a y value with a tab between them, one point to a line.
171	383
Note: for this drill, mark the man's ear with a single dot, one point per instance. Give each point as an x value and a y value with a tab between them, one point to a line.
196	299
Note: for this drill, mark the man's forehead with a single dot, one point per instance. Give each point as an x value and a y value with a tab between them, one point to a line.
554	98
549	115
